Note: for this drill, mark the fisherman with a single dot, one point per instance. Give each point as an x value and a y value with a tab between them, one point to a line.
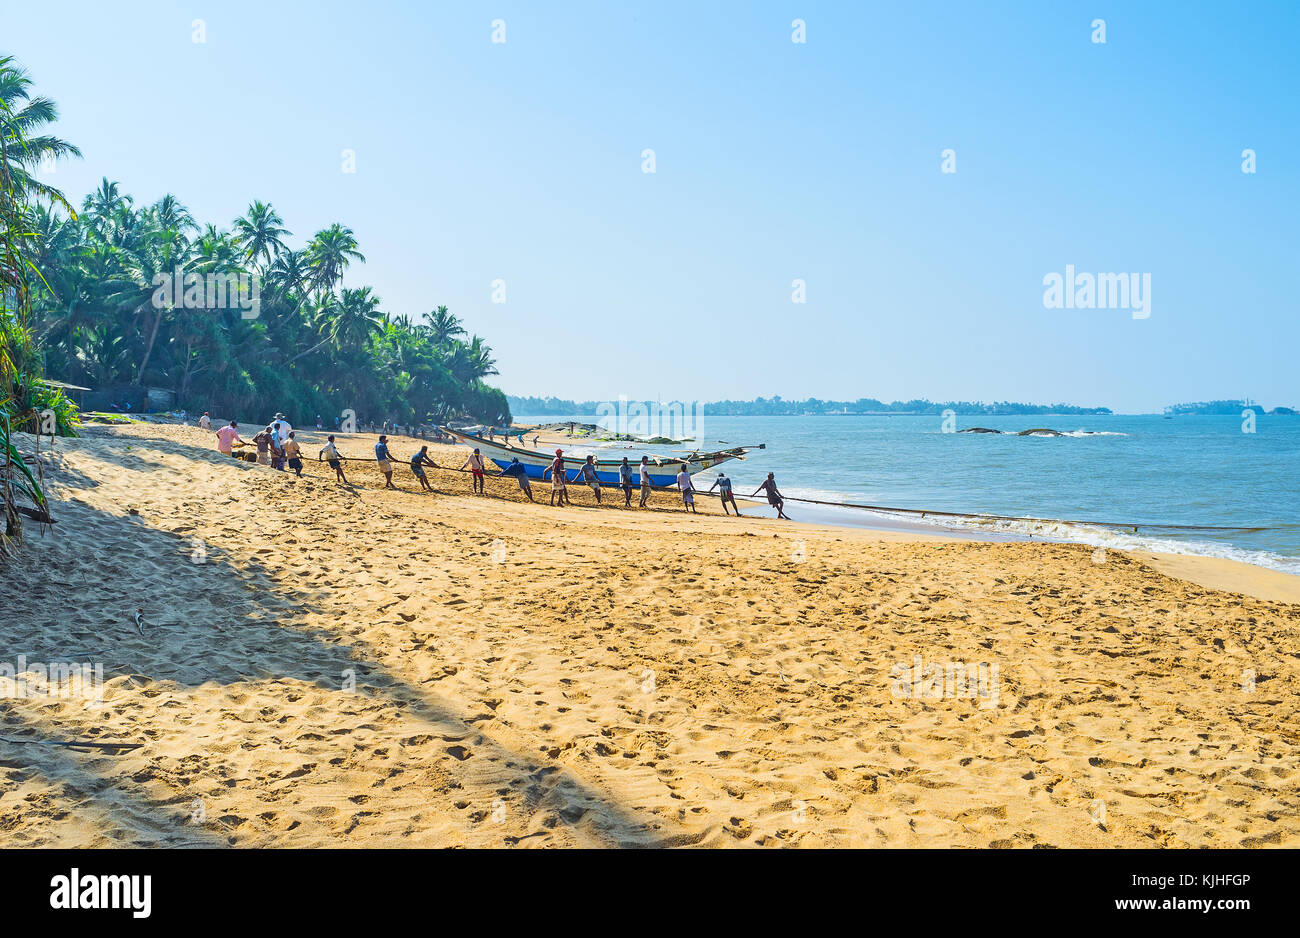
625	480
385	461
723	485
281	425
418	462
263	441
205	422
293	452
688	490
587	473
774	498
475	465
556	469
318	423
535	439
516	469
226	436
277	452
331	454
645	480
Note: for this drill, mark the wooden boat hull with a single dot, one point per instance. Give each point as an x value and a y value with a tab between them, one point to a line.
663	469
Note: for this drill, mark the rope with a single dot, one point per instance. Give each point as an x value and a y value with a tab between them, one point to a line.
922	512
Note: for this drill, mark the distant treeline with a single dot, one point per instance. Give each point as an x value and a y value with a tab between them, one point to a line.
1225	409
776	407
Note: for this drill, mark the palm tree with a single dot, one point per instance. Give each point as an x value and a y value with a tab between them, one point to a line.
173	218
261	233
22	147
471	361
105	205
352	319
443	327
329	254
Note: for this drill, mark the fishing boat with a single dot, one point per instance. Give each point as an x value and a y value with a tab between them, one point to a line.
663	469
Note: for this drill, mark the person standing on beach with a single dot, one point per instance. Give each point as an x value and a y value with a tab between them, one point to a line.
688	490
475	465
263	441
645	480
516	469
293	452
556	469
774	498
385	461
723	485
418	462
227	436
277	453
331	454
587	472
205	422
625	480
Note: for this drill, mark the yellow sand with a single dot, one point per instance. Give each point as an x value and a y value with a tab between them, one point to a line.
537	676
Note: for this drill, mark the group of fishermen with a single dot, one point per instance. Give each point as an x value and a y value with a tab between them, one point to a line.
628	479
277	448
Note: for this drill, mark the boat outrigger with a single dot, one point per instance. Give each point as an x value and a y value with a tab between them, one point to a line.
663	469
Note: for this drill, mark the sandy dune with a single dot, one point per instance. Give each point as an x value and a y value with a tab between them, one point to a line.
526	675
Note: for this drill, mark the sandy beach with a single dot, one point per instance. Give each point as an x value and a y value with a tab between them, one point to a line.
334	666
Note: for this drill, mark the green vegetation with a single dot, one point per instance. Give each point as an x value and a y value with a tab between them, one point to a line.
1224	409
236	322
22	397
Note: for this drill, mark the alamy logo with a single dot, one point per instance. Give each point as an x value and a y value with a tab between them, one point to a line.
650	419
947	680
75	891
181	290
62	680
1098	291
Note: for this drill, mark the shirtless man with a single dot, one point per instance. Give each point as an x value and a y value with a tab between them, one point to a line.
587	472
774	498
293	453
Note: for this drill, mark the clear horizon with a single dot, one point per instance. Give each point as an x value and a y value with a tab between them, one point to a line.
775	162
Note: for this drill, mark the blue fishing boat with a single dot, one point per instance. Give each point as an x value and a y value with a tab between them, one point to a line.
663	468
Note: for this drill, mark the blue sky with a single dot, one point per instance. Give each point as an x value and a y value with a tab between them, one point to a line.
775	161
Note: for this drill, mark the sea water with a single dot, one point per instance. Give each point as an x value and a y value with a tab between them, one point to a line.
1199	472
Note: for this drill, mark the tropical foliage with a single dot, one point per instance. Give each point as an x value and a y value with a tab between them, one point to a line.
23	148
292	337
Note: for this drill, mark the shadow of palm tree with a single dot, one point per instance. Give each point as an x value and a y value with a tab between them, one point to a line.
78	604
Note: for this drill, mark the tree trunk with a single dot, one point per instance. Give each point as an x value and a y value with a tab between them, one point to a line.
148	349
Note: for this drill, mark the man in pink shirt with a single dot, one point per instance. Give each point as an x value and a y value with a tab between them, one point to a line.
226	436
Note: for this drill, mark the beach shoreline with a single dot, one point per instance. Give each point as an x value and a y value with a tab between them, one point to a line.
321	665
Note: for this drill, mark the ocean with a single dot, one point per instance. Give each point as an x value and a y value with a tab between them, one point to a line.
1137	470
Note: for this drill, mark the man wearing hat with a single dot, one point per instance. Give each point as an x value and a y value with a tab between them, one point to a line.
556	469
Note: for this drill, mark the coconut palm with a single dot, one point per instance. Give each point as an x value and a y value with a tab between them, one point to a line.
330	253
443	327
23	147
261	232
